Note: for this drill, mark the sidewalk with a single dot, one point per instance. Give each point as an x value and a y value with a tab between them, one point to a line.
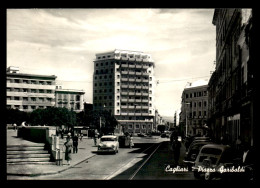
86	150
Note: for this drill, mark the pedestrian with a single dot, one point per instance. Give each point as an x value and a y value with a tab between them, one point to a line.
131	141
81	136
75	143
95	139
238	145
15	126
68	150
62	133
176	152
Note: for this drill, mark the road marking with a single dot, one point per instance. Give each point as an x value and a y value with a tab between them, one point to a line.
128	165
131	177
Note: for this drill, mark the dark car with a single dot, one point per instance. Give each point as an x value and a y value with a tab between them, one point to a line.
200	139
141	135
193	151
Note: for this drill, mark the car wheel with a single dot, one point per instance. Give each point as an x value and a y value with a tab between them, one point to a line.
196	175
208	176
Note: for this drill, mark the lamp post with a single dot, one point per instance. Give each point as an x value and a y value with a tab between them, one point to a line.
187	103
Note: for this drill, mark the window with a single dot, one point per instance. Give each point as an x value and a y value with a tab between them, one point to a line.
130	126
97	63
118	111
137	126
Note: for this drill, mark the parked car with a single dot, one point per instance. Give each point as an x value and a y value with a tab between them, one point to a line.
200	139
108	143
211	159
193	152
141	135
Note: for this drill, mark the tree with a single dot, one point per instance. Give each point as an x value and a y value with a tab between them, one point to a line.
53	116
16	116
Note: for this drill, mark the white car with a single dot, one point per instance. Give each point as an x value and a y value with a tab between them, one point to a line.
108	143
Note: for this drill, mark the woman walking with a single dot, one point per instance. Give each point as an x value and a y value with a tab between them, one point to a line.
68	150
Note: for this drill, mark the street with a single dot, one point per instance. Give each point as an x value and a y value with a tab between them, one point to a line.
146	160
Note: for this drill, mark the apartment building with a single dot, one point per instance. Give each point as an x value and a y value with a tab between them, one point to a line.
231	85
28	92
123	84
69	98
194	109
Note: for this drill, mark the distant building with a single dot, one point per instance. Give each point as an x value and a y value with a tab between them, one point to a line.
194	108
124	85
28	92
71	99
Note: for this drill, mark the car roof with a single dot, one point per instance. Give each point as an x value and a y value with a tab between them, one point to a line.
219	146
109	136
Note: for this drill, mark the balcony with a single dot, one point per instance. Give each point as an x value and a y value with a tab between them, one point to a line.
138	100
131	79
145	94
138	94
124	93
131	93
131	100
124	100
124	113
138	66
138	114
131	66
145	107
145	87
145	74
145	114
145	100
124	106
131	86
138	107
124	79
138	87
124	72
145	80
145	66
124	86
138	73
138	80
131	107
131	114
131	73
124	65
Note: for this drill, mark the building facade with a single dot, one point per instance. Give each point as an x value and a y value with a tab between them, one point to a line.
124	84
28	92
230	86
71	99
194	108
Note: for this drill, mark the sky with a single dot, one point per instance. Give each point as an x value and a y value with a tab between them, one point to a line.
63	42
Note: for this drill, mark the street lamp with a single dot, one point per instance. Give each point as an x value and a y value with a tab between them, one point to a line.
187	103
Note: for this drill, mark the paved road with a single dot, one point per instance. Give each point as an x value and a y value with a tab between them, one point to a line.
147	160
103	166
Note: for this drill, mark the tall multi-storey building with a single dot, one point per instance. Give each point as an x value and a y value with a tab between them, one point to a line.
230	86
69	98
27	92
124	85
194	109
